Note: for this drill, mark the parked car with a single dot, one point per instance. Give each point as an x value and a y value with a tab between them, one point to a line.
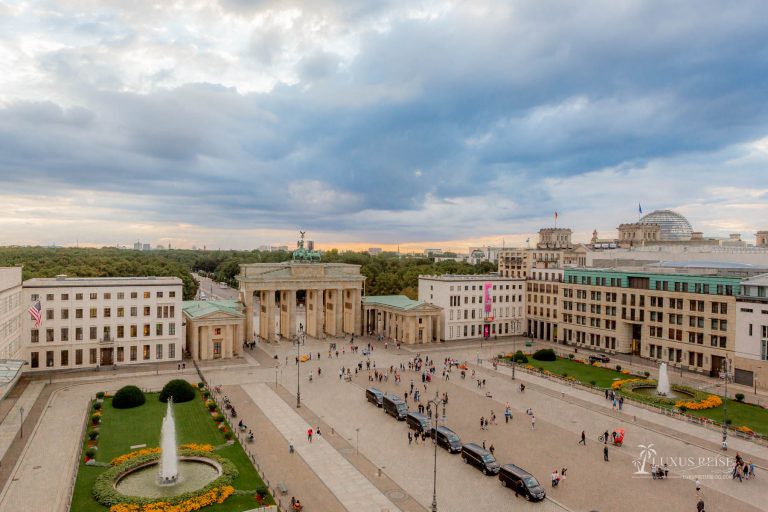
599	358
375	396
526	484
479	457
395	406
447	438
417	422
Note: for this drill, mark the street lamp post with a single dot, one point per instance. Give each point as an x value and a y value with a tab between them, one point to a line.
299	338
724	446
436	402
21	423
357	441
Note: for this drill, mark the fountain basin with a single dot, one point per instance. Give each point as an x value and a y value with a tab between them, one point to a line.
195	473
672	394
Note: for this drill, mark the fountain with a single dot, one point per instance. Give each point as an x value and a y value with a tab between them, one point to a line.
662	388
169	460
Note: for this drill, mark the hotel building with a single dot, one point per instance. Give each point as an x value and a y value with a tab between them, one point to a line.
476	306
91	322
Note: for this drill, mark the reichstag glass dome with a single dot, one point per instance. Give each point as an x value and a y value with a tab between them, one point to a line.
673	225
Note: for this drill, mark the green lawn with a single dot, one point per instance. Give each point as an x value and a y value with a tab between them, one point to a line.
123	428
753	417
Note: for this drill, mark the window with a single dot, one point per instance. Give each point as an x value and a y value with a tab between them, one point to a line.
92	356
172	349
120	332
49	361
49	297
35	336
49	314
78	296
49	335
34	360
64	334
93	312
158	329
79	356
64	356
159	351
159	295
217	331
145	352
93	333
120	295
65	314
171	329
120	354
134	353
134	311
146	295
173	294
64	296
107	312
107	333
147	311
94	296
107	296
145	330
78	313
134	295
78	334
134	331
120	312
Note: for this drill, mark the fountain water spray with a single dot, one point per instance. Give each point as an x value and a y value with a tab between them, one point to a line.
169	461
662	388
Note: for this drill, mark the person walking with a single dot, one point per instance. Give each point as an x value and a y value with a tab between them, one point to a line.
698	486
700	505
621	402
309	434
605	453
482	423
533	422
583	438
491	449
605	437
507	415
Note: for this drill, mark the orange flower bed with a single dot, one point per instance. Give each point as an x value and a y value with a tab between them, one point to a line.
710	402
214	496
198	447
618	383
128	456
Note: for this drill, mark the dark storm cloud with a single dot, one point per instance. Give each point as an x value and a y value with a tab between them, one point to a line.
485	100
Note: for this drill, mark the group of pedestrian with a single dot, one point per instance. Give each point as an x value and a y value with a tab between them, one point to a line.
616	401
742	469
414	437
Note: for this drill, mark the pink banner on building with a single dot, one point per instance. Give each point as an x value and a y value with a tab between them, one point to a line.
488	301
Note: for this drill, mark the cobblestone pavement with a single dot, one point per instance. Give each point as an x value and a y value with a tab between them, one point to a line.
591	482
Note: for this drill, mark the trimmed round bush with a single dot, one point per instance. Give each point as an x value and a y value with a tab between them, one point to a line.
593	382
218	417
212	406
128	397
519	357
179	389
545	354
100	395
93	434
618	367
97	406
90	452
206	393
228	435
201	385
739	397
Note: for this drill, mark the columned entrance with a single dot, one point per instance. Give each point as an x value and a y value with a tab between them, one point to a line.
329	295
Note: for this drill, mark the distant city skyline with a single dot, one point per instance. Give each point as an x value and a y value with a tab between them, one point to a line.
426	123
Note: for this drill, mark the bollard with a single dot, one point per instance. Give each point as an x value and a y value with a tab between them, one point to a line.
333	432
378	471
634	418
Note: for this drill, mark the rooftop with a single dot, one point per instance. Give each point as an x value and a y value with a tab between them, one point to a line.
200	308
467	277
64	281
393	301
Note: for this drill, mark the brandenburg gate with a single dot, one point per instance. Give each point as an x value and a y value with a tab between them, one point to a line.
330	292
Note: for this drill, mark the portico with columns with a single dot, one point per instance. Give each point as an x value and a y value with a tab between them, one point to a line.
401	319
329	293
214	329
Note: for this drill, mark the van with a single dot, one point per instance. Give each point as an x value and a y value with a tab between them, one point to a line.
526	484
479	457
395	406
447	438
417	422
374	396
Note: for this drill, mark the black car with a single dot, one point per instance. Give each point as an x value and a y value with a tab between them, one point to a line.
375	396
395	406
479	457
526	484
447	438
417	422
599	358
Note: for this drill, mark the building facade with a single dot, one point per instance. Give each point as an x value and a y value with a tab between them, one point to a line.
542	302
401	319
679	318
214	329
476	306
92	322
10	313
751	354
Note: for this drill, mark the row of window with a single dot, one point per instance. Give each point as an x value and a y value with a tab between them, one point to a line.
93	332
455	300
470	331
160	312
10	302
675	355
471	314
479	287
50	297
660	285
92	355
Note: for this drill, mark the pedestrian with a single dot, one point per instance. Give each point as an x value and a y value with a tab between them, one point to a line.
483	444
606	393
752	469
491	449
309	434
424	437
605	453
621	402
698	486
533	422
583	438
700	505
507	414
183	366
179	367
410	438
605	437
482	422
486	424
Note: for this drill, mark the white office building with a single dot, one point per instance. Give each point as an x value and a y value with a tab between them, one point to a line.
91	322
476	306
10	313
751	352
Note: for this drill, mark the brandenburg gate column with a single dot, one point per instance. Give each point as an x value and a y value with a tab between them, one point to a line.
357	313
272	335
291	327
329	312
319	314
248	301
338	305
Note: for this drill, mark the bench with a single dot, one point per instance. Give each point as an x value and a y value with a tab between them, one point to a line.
282	488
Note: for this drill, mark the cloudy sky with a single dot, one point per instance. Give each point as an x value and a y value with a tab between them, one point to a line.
233	123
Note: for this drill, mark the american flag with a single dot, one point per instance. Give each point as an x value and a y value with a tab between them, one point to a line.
36	312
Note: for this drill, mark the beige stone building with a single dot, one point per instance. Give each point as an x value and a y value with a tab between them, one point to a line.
639	234
11	310
401	319
750	365
214	329
89	322
542	302
683	319
330	295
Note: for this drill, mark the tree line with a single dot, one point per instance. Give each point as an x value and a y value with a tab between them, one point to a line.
386	273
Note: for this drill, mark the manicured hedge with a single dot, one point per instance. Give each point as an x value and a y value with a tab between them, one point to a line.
128	397
179	389
545	354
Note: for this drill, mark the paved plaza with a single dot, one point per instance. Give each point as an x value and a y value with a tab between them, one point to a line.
328	476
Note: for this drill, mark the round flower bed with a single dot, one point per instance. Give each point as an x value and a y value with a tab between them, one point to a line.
710	402
628	387
105	493
215	495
